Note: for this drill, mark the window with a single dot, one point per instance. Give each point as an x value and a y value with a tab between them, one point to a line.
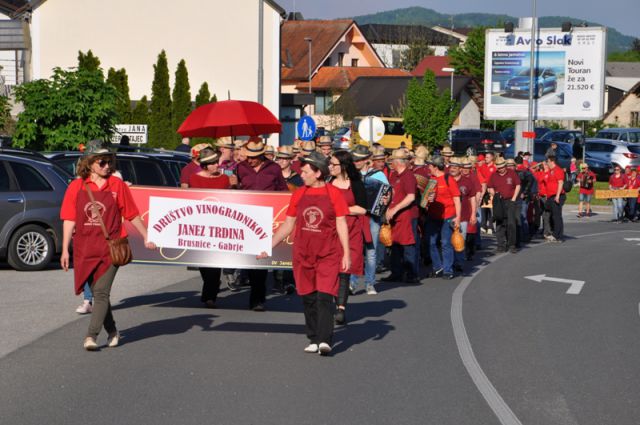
5	184
324	102
148	173
354	63
340	59
29	179
393	128
635	119
634	137
624	137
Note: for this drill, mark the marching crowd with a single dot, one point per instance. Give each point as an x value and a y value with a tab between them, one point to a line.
353	213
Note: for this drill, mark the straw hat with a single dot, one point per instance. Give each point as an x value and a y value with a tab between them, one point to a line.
500	162
360	153
324	141
225	142
378	153
446	151
239	144
456	161
465	162
285	152
400	153
254	148
307	147
269	150
208	156
510	162
319	160
296	145
195	151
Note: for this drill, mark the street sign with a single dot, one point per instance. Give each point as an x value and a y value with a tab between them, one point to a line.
306	128
574	289
371	129
137	133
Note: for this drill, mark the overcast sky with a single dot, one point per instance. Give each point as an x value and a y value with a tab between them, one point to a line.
624	15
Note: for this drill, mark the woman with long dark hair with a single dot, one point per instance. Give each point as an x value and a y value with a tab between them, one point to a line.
348	180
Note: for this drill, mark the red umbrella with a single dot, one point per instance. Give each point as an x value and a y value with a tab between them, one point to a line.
230	118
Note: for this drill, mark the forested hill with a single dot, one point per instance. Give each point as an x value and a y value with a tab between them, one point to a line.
428	17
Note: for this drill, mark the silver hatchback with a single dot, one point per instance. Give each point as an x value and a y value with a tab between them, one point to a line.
612	152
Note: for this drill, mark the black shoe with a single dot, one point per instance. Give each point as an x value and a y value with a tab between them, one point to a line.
258	307
513	250
436	273
340	317
289	288
412	280
448	276
391	278
457	268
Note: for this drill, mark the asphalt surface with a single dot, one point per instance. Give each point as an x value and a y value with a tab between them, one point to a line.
547	357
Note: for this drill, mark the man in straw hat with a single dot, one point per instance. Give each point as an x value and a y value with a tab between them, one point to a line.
403	216
306	148
325	145
505	183
259	173
192	167
446	154
468	191
284	157
443	216
485	169
373	180
226	163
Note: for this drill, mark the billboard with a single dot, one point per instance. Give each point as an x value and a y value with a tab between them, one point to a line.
568	74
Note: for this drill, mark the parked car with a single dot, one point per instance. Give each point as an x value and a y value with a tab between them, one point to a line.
394	137
476	139
631	135
612	152
509	134
545	80
574	137
342	138
146	169
540	148
31	192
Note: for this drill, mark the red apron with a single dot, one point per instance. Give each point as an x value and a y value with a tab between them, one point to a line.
402	222
90	249
355	225
317	253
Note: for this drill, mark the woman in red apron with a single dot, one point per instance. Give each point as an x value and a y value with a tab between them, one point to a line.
209	177
91	258
348	180
317	212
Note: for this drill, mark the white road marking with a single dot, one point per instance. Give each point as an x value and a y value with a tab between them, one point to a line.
574	289
497	404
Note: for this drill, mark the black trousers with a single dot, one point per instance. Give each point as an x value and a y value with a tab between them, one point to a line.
556	215
210	283
258	281
318	317
507	229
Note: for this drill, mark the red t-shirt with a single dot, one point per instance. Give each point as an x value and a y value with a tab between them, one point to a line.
485	171
505	184
187	171
442	206
633	183
551	180
197	181
402	185
468	191
119	190
618	182
337	200
586	178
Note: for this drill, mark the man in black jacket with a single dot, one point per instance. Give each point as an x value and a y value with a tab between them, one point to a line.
527	187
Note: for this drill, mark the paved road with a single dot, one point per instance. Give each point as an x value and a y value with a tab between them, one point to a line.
548	357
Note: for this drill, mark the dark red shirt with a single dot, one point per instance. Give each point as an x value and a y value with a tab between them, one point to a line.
468	191
189	170
268	177
506	184
443	206
337	200
216	182
402	185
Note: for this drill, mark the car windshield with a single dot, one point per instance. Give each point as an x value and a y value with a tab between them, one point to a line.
556	136
607	135
525	72
342	131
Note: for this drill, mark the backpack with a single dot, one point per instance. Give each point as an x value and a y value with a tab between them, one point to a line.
567	184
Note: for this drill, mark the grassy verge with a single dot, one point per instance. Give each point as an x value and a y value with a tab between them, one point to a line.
572	197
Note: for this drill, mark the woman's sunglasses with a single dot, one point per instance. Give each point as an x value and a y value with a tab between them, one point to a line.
104	162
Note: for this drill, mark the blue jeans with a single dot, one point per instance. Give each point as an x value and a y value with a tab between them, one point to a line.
440	230
478	232
370	254
88	295
633	206
618	208
409	253
524	224
459	256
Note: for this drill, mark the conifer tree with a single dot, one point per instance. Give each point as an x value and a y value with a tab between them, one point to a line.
203	97
88	62
181	105
160	126
140	114
120	81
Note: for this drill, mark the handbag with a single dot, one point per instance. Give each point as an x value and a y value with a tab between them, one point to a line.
119	249
385	236
457	240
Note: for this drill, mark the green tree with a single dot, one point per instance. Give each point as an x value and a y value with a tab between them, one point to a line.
120	81
161	133
428	115
7	125
628	56
411	57
204	96
140	114
181	105
88	61
70	108
469	58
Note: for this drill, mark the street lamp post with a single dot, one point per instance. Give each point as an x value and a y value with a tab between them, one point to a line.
309	40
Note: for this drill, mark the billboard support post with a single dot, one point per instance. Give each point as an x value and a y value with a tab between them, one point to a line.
534	24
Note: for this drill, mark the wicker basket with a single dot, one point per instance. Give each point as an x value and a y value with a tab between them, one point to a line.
385	235
457	240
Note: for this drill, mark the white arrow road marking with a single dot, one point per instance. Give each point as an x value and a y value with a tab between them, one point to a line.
574	289
632	240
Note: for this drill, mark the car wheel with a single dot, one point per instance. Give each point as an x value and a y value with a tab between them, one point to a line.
31	248
540	91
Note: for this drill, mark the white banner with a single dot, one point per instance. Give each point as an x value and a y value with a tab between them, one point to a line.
210	226
568	74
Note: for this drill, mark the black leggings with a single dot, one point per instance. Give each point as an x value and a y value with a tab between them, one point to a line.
318	317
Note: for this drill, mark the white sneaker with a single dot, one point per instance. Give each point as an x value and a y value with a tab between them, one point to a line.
371	290
113	340
324	348
84	308
311	348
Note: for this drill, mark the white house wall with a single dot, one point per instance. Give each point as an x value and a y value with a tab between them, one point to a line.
218	40
469	116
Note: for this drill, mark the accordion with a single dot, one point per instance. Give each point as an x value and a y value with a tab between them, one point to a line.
376	190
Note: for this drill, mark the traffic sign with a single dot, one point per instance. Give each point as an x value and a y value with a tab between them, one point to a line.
371	129
306	128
